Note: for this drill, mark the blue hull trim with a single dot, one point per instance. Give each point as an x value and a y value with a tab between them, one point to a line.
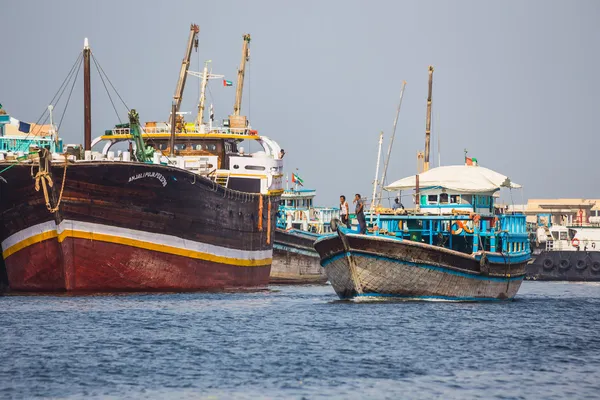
448	271
425	298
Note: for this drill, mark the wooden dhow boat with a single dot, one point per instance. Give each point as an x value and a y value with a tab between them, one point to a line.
452	246
184	209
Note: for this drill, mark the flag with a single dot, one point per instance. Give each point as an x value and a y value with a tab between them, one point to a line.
212	113
227	83
24	127
297	179
0	106
468	161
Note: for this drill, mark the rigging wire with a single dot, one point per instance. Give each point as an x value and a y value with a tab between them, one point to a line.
110	83
107	92
69	98
64	83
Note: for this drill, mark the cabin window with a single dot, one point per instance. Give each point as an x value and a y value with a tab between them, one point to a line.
211	147
563	235
255	167
555	235
444	198
455	199
572	233
198	147
432	199
236	166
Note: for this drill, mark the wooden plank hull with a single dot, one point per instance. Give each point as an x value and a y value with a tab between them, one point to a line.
295	260
361	266
133	227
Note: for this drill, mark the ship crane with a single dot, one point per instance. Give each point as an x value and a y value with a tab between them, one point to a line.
185	65
241	71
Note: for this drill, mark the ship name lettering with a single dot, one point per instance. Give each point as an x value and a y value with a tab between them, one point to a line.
156	175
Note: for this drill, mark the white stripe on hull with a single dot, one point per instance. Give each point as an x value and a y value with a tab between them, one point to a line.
67	227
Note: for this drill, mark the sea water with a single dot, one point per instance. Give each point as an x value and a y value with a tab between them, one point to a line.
301	342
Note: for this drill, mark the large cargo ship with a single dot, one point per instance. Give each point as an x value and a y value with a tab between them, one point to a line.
184	209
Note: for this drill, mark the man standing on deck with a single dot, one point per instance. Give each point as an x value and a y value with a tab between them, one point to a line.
360	213
344	211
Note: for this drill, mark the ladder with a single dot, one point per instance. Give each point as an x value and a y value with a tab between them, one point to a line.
222	180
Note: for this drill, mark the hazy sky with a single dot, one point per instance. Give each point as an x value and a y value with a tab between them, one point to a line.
515	82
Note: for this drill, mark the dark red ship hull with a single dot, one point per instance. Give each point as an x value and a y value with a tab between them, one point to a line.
133	227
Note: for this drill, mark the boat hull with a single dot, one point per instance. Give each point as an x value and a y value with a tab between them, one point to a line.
575	266
295	260
133	227
361	266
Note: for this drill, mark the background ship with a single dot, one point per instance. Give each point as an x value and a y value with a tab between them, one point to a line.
299	224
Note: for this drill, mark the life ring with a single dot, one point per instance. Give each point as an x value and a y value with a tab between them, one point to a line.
466	227
581	265
596	266
548	264
458	229
564	264
575	242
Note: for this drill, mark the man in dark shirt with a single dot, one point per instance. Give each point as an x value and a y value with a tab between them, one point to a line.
360	213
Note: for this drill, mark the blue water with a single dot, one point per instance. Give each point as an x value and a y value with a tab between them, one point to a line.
300	342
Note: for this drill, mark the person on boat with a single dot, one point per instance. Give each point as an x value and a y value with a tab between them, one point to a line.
344	211
360	213
397	205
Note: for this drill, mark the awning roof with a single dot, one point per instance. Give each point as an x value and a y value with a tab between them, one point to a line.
459	178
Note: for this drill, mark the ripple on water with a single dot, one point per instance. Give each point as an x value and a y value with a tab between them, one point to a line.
301	342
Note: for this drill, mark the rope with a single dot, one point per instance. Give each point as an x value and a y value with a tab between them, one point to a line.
43	179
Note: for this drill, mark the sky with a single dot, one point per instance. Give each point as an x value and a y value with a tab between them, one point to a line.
514	81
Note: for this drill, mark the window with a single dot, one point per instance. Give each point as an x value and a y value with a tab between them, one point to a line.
255	167
563	235
555	235
444	198
211	147
432	199
455	199
236	166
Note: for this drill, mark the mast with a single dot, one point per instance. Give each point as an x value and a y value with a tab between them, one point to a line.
185	64
87	98
241	71
428	122
389	151
375	183
202	94
204	77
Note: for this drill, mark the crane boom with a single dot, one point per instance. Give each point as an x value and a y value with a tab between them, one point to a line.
185	64
241	71
428	122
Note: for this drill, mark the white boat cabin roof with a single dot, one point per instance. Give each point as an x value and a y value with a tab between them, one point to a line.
468	179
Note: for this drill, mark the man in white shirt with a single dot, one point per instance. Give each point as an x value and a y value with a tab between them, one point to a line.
344	211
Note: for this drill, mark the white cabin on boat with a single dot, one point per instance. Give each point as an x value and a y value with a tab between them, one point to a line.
446	190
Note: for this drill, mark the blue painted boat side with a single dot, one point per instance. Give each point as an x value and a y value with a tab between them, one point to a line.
448	271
